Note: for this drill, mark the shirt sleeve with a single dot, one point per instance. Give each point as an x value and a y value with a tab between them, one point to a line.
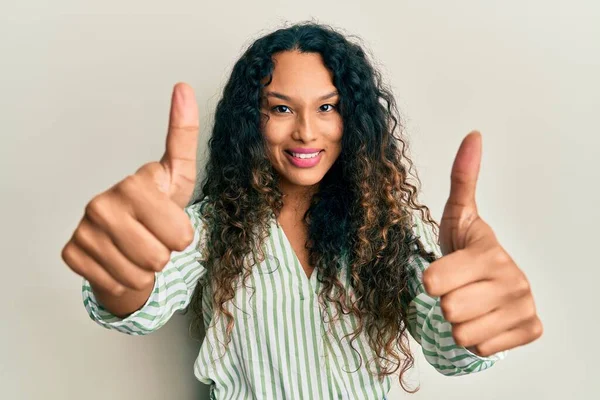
426	322
173	288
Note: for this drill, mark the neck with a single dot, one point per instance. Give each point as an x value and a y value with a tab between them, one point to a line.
296	200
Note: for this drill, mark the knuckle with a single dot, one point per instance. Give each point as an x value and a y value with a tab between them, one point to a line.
137	284
501	257
95	208
479	350
447	308
429	281
185	128
484	351
531	310
146	173
66	253
129	280
68	256
187	237
460	177
459	336
521	285
117	290
141	281
129	185
146	280
82	236
525	285
159	260
537	329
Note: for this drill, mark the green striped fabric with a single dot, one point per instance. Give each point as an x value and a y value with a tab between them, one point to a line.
285	344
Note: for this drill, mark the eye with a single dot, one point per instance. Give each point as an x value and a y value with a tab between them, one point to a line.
277	107
331	105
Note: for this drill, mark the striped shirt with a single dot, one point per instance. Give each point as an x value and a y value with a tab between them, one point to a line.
281	346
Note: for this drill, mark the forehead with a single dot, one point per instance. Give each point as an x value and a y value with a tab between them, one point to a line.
301	75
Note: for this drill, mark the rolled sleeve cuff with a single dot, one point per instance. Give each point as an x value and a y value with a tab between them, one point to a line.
140	322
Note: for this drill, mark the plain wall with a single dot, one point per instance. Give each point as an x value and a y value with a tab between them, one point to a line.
84	98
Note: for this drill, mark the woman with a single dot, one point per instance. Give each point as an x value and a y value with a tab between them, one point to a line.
304	257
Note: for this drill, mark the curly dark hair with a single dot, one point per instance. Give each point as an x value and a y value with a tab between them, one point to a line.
363	207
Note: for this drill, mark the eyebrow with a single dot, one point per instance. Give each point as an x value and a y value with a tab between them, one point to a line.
288	98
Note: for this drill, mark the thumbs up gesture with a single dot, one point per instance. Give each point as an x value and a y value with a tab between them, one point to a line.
483	293
129	231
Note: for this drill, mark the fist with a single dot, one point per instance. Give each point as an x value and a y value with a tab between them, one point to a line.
128	232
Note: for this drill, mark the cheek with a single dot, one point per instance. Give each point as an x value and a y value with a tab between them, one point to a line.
339	128
274	143
336	139
272	133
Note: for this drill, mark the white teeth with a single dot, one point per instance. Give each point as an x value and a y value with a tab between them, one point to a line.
307	155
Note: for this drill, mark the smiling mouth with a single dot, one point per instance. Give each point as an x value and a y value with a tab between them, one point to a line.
304	156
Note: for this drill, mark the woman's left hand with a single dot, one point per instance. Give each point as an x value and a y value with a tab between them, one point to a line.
484	294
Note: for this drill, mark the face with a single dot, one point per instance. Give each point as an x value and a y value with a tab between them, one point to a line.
304	130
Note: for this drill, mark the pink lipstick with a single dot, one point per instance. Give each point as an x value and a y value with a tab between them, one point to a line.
304	158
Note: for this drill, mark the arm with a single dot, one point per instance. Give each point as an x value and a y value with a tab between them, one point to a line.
426	322
172	291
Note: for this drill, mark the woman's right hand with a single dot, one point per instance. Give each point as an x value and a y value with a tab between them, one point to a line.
129	231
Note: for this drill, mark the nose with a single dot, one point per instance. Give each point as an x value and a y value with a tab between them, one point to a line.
304	128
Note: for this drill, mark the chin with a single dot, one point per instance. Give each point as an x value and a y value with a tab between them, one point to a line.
304	179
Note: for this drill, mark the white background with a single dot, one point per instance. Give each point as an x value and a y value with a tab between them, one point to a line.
84	96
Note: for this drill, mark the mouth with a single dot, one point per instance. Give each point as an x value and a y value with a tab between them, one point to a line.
304	160
304	156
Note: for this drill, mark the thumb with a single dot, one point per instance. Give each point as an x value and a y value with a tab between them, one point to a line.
465	171
179	159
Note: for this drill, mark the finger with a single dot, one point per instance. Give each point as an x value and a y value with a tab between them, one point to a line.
164	220
84	265
458	305
140	246
97	245
465	170
519	336
492	324
182	137
453	271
